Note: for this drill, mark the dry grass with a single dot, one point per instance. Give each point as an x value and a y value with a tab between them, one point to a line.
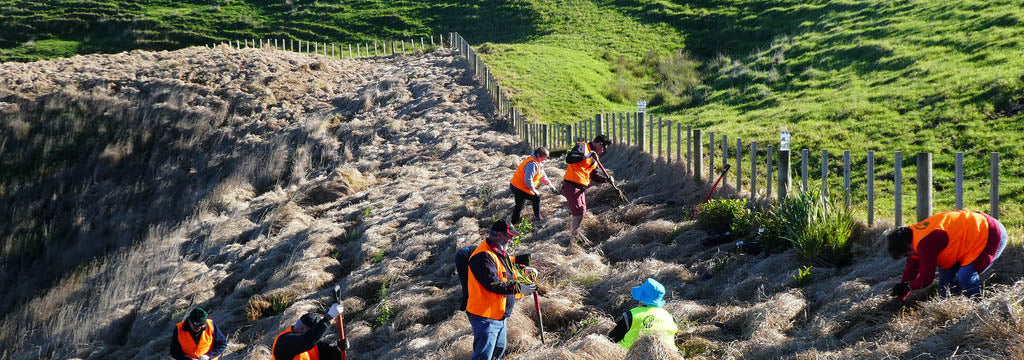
279	173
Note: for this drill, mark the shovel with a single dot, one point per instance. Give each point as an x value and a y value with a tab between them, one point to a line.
616	187
720	177
342	341
536	305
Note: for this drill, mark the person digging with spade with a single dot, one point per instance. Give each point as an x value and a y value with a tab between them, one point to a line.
302	340
524	184
582	160
494	283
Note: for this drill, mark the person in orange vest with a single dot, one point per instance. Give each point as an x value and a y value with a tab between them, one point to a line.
302	340
493	289
196	338
528	176
962	244
579	174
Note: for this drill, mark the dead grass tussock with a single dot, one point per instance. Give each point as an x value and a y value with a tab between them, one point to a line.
653	348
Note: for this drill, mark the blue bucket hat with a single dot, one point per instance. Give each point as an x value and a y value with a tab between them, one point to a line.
651	293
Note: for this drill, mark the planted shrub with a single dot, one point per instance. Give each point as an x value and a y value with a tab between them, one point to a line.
731	216
816	227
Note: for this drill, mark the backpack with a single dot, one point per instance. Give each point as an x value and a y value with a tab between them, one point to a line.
462	266
576	154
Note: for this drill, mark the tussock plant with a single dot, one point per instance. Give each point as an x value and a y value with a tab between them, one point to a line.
264	306
726	216
818	228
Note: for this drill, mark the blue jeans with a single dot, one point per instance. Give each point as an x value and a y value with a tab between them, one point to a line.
967	279
488	338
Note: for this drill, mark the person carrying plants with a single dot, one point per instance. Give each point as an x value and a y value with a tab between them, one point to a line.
962	244
648	319
527	177
493	283
196	338
302	340
579	173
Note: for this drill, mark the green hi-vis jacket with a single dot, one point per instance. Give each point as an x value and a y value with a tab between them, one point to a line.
650	320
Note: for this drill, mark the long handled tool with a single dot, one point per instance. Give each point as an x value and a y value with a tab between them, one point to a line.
342	341
616	187
540	318
720	177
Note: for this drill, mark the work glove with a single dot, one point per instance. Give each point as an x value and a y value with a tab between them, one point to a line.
204	357
335	310
592	154
611	179
900	290
530	272
527	289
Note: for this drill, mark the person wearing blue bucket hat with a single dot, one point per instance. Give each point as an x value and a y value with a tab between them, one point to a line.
648	319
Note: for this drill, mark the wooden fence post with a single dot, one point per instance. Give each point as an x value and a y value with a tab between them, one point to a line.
897	178
824	173
659	137
846	178
668	141
768	179
649	123
689	149
679	142
871	188
958	185
753	170
597	124
629	130
711	156
994	190
803	167
739	161
924	186
698	160
640	130
784	175
725	154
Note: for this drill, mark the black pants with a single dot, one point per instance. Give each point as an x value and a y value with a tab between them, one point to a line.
522	196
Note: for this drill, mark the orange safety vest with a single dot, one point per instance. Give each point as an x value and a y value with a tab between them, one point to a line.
580	172
967	232
482	302
517	178
189	346
312	354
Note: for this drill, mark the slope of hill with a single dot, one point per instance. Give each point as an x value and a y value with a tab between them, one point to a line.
915	75
302	172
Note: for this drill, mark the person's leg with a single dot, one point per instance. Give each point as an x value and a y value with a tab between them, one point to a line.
946	281
483	337
499	343
969	280
517	210
535	200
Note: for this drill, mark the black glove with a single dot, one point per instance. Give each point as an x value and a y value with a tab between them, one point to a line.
900	290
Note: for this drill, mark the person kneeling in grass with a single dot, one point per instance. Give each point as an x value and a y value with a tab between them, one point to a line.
648	319
528	176
962	244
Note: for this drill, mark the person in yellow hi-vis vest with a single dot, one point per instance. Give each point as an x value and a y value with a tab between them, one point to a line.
648	319
961	244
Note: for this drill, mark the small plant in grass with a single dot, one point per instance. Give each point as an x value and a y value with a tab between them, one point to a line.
524	227
263	306
802	277
583	324
731	216
379	255
384	310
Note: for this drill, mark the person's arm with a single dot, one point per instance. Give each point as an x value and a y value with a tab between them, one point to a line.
622	325
928	253
220	343
598	177
544	175
486	272
910	271
176	352
291	344
528	172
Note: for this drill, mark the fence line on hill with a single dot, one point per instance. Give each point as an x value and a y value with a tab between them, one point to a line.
638	129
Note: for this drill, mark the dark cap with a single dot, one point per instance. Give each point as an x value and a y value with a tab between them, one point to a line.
503	226
311	319
197	317
603	139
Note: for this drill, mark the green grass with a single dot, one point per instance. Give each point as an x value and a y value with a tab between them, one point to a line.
907	75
